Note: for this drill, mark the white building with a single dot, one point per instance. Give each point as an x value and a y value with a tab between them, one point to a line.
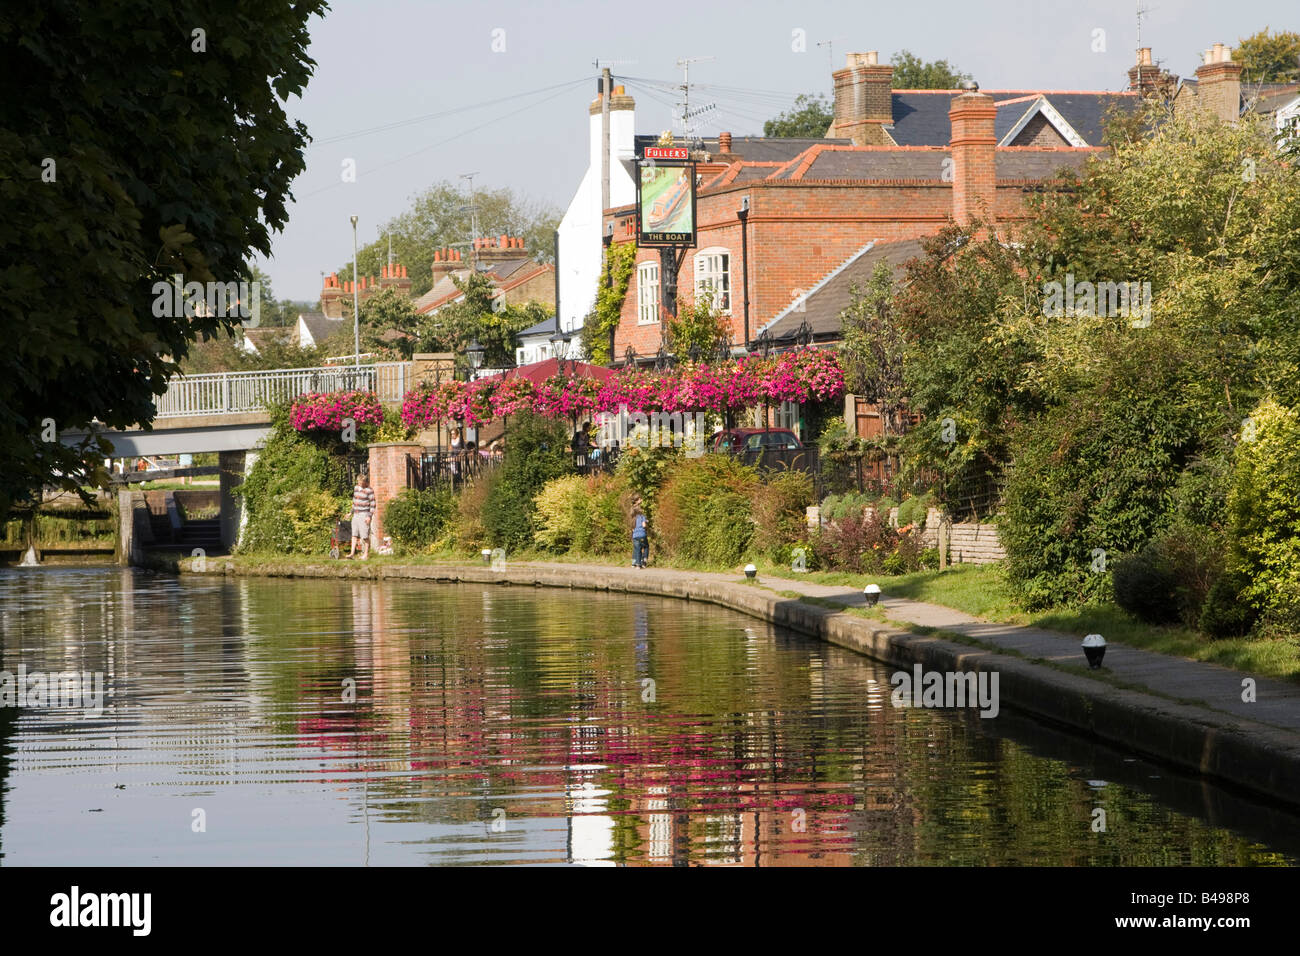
580	239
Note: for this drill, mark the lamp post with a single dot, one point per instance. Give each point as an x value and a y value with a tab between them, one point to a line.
356	308
743	215
474	356
559	346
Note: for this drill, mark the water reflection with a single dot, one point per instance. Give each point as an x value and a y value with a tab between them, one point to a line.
356	722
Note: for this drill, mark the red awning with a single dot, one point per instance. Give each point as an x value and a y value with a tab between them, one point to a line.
539	372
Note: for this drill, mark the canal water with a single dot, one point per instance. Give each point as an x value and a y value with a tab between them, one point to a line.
250	721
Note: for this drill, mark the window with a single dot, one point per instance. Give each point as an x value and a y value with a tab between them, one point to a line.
787	416
647	293
713	274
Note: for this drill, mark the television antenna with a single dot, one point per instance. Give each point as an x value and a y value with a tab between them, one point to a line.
472	209
688	118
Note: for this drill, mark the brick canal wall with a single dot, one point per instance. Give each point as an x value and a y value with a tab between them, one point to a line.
1263	760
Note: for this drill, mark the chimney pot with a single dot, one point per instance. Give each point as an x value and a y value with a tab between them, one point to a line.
1144	56
724	142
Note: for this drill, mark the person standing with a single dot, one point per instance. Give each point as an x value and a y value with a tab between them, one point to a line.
640	545
363	509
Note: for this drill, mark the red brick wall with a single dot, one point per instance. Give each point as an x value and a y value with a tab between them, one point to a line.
798	232
387	478
974	146
801	230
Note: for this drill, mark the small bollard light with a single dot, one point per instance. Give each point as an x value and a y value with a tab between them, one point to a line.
486	554
872	594
750	571
1094	648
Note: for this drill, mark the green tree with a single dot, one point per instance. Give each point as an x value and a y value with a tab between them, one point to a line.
872	348
480	315
967	376
698	330
913	73
440	217
386	312
136	142
809	118
1264	519
1269	57
1202	210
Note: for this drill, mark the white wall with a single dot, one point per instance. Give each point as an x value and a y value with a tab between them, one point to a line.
580	228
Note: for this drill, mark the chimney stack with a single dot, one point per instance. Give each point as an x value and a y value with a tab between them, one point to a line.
863	100
974	155
331	297
1218	86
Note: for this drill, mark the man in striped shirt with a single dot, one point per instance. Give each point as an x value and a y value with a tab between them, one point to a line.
363	509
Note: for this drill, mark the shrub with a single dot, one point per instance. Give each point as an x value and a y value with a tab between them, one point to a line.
391	428
644	470
1090	475
538	453
779	507
562	508
288	466
913	511
1264	517
1225	614
858	543
583	515
298	522
416	519
703	511
610	528
468	532
1146	587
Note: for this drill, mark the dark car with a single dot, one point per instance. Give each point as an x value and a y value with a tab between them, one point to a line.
755	439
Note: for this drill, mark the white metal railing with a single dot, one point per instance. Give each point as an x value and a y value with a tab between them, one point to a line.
227	393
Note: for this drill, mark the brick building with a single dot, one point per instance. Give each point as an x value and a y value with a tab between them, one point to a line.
516	276
896	165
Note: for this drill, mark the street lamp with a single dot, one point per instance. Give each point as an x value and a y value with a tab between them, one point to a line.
559	346
356	308
474	353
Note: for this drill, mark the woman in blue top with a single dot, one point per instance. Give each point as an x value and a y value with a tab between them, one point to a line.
640	546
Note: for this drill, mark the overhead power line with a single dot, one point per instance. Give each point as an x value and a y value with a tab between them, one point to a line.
397	124
473	129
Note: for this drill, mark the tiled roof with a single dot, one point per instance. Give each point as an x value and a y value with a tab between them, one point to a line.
1028	162
865	163
760	149
319	325
822	305
921	116
545	327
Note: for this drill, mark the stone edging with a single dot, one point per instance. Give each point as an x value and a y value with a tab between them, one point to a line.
1255	757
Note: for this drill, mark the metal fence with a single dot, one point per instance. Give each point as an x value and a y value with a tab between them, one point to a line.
224	393
442	466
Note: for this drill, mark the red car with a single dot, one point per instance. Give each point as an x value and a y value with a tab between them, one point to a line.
755	439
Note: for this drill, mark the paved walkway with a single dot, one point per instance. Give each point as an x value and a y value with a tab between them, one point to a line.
1195	682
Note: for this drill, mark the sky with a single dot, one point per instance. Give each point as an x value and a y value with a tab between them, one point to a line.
414	92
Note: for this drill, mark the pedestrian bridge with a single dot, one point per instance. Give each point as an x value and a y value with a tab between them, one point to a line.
226	411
